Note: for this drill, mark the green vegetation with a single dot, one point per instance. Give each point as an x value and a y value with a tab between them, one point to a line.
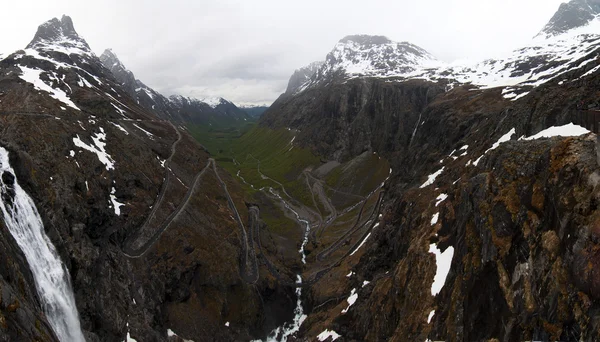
359	176
218	140
264	158
267	157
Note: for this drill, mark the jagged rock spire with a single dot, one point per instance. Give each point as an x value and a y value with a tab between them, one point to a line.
59	33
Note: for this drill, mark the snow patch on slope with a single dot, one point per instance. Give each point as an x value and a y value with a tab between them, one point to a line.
33	76
432	177
443	262
506	137
568	130
99	148
327	334
351	300
213	102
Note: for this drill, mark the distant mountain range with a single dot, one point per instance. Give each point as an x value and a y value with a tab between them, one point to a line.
254	111
562	46
211	111
482	226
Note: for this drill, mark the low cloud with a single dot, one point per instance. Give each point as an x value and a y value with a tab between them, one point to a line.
246	50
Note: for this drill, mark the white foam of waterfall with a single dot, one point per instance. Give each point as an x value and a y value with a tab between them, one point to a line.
50	276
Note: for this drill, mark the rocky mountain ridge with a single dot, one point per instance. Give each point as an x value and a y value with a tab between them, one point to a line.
485	227
301	76
571	15
105	172
561	49
179	109
489	216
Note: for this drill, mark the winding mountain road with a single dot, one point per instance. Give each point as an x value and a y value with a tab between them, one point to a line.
249	263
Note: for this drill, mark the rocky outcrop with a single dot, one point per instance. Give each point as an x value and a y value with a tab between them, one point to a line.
301	76
55	33
118	70
341	121
95	162
571	15
519	221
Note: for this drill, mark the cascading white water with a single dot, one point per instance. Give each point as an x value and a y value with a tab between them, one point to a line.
51	278
282	333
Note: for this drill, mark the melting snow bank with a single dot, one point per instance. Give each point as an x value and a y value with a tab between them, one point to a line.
282	333
145	131
128	338
52	281
430	316
443	262
33	76
431	178
434	219
170	333
99	149
506	137
351	300
327	334
115	204
568	130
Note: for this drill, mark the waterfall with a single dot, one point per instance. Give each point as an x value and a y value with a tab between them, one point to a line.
52	280
289	329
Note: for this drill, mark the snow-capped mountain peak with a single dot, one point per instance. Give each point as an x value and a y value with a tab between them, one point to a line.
60	36
570	42
213	101
571	15
364	55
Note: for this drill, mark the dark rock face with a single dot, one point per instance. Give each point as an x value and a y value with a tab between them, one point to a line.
341	121
93	149
301	76
121	74
520	223
570	15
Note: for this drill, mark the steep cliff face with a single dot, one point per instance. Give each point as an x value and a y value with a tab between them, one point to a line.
519	233
133	203
518	224
485	234
301	76
341	121
570	15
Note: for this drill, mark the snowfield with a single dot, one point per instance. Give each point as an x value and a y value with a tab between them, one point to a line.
568	130
543	59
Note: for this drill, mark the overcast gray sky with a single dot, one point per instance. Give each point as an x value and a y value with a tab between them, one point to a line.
245	50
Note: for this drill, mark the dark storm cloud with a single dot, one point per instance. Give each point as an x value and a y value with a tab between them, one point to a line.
246	50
